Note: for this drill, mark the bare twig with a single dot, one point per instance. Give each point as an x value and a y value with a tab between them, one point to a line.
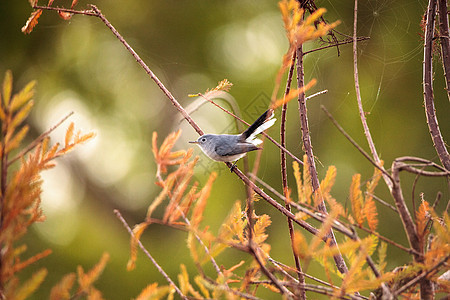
240	294
306	138
382	201
445	42
418	278
283	267
383	238
316	94
149	72
254	251
284	180
39	139
272	202
160	270
428	96
351	140
205	248
361	38
67	10
337	225
362	114
405	216
327	291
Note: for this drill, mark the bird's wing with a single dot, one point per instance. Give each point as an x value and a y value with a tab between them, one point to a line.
238	148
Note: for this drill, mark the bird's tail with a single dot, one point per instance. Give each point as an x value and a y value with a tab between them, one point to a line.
264	122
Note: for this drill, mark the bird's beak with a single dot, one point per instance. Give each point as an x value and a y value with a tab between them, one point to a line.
193	142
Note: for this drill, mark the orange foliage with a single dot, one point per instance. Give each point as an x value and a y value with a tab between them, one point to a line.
20	190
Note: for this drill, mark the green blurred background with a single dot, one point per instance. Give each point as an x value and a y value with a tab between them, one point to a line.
190	46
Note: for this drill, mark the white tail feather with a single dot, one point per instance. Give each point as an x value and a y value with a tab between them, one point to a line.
269	123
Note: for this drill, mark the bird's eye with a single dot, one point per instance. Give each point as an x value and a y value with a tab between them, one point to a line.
203	140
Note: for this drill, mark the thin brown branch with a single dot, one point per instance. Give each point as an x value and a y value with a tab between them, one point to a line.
306	138
351	140
284	180
381	237
240	294
430	111
205	248
317	216
39	139
149	71
405	216
316	289
382	201
67	10
286	267
437	200
155	263
417	279
359	39
444	38
362	114
254	251
272	202
413	168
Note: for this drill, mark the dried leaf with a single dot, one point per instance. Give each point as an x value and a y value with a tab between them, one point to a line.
298	180
222	86
17	139
152	291
7	87
23	96
356	199
200	283
300	245
61	291
94	294
31	285
197	213
84	138
262	222
183	280
69	134
74	3
328	182
299	31
85	280
65	15
307	184
32	21
382	251
422	217
371	214
170	181
21	115
20	266
372	184
138	230
293	94
173	212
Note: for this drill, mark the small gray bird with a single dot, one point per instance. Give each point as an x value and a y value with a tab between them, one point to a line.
227	147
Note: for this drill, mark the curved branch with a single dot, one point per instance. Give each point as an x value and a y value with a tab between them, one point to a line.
445	42
428	96
362	115
306	138
284	180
